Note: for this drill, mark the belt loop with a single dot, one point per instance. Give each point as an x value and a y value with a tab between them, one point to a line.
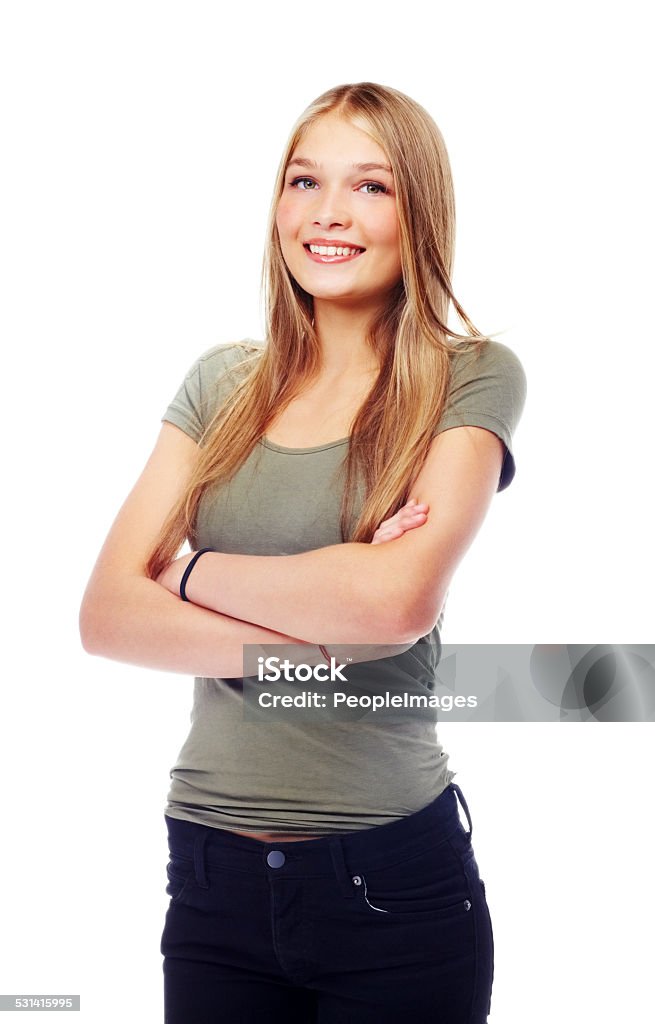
464	804
199	858
340	869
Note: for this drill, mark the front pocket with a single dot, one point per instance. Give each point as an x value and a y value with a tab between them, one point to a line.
399	903
179	880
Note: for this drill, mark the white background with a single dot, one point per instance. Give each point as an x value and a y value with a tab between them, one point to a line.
140	145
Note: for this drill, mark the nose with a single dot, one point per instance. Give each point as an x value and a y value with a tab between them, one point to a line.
331	209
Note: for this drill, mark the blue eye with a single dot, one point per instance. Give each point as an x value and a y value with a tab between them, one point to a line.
376	184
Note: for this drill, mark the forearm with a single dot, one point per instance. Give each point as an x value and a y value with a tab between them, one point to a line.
142	623
341	594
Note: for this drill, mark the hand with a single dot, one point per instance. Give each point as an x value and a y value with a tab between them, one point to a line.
408	517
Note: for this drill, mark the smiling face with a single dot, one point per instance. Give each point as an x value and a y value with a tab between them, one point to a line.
328	201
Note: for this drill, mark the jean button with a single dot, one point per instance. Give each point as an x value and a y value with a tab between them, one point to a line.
275	859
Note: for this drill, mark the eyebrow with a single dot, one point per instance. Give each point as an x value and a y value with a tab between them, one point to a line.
306	162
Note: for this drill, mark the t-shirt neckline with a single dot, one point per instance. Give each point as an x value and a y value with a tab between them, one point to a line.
302	451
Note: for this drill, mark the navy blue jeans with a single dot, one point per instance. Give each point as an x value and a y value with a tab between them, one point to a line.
381	926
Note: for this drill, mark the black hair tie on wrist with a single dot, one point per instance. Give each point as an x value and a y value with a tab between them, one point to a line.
187	572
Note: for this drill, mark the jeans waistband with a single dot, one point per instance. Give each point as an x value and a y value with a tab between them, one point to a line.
327	855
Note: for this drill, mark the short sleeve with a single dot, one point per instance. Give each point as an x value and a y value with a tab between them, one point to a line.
206	386
488	389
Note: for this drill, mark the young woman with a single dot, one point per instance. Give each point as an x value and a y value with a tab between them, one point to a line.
329	482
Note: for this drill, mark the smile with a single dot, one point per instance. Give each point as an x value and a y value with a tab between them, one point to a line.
330	259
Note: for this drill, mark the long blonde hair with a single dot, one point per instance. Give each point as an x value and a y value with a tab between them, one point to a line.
393	429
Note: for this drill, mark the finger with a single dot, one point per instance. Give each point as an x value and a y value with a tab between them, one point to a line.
414	524
410	508
412	519
409	511
389	533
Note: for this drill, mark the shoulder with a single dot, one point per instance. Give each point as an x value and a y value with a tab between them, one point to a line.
491	361
217	371
208	383
488	379
225	356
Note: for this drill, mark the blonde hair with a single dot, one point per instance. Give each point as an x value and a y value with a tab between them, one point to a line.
393	429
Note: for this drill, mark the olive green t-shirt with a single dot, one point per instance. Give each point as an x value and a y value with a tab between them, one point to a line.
302	777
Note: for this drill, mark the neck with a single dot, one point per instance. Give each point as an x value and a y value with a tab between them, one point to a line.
341	334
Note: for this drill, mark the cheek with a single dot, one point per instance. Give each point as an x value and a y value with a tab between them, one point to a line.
394	230
388	230
392	245
391	235
285	218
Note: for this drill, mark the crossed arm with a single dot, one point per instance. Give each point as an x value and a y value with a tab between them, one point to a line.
351	593
128	617
386	593
341	594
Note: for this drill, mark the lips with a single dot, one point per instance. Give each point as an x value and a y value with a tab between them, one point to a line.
338	242
317	258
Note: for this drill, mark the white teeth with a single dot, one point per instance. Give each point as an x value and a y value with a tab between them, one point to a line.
333	250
